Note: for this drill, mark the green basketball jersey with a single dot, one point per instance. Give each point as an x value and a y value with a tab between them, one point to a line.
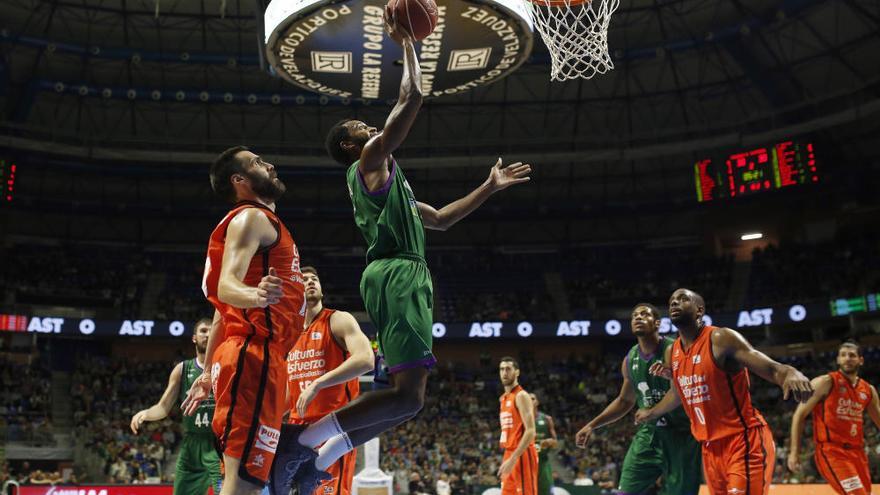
542	428
650	389
389	218
200	422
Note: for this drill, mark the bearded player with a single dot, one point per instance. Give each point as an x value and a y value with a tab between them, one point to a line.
519	467
323	370
545	441
661	447
710	373
396	285
198	466
252	277
839	402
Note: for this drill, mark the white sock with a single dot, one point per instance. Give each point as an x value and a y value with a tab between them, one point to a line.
320	431
332	450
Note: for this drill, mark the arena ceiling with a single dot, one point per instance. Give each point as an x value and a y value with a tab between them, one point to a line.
176	79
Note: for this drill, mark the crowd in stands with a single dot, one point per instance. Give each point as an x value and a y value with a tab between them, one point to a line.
106	393
470	284
25	402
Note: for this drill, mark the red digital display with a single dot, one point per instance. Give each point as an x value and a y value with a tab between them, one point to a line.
784	164
7	175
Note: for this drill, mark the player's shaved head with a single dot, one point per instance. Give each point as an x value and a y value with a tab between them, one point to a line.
686	307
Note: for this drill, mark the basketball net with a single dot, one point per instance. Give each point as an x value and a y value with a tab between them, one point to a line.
576	34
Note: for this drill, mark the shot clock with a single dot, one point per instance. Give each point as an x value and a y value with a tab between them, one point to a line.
784	164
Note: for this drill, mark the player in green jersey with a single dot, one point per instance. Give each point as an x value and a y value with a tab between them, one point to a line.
198	465
663	448
396	286
545	440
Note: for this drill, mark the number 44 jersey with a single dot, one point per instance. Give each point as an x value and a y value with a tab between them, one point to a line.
200	422
718	403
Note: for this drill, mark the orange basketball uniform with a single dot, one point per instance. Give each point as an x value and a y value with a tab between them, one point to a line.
738	449
838	423
523	480
249	369
315	353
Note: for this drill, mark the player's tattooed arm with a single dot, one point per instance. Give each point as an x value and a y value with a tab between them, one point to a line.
377	150
248	232
821	388
161	409
500	178
618	408
729	345
348	334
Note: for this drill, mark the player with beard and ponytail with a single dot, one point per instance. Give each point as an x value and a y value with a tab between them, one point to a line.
710	375
839	402
198	466
253	279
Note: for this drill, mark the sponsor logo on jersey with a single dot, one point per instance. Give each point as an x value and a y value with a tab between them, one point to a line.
259	460
316	335
267	439
851	484
862	396
697	360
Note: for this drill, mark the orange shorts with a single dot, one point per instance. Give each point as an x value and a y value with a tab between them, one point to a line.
740	464
844	467
250	380
523	480
342	472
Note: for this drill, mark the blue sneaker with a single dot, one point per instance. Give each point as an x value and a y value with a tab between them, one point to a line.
288	459
308	478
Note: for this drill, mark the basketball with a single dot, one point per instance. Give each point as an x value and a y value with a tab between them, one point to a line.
418	17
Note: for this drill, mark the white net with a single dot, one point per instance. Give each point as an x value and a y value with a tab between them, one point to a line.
576	34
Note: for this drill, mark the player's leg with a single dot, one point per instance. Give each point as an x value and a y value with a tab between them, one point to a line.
545	474
249	392
840	469
750	458
715	467
681	467
642	464
210	462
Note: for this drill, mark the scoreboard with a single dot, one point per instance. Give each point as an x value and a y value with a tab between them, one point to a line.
784	164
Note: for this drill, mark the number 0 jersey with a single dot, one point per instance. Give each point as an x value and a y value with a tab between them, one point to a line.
279	323
839	418
314	354
718	403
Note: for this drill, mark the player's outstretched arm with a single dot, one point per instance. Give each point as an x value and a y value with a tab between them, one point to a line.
500	178
618	408
729	343
160	409
821	387
527	412
247	232
874	407
348	334
404	113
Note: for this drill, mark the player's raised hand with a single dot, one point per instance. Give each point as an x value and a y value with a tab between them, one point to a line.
305	398
797	385
269	290
199	391
501	177
394	29
659	369
793	462
137	420
583	436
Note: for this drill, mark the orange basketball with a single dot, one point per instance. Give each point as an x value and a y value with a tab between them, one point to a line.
418	17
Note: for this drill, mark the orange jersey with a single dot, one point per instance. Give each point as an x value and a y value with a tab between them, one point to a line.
315	353
718	403
839	418
279	323
512	427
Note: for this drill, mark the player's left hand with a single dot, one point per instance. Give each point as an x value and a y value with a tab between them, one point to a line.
199	391
505	469
502	178
644	416
658	369
305	398
797	385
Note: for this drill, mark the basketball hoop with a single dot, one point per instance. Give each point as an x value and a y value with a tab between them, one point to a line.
576	34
